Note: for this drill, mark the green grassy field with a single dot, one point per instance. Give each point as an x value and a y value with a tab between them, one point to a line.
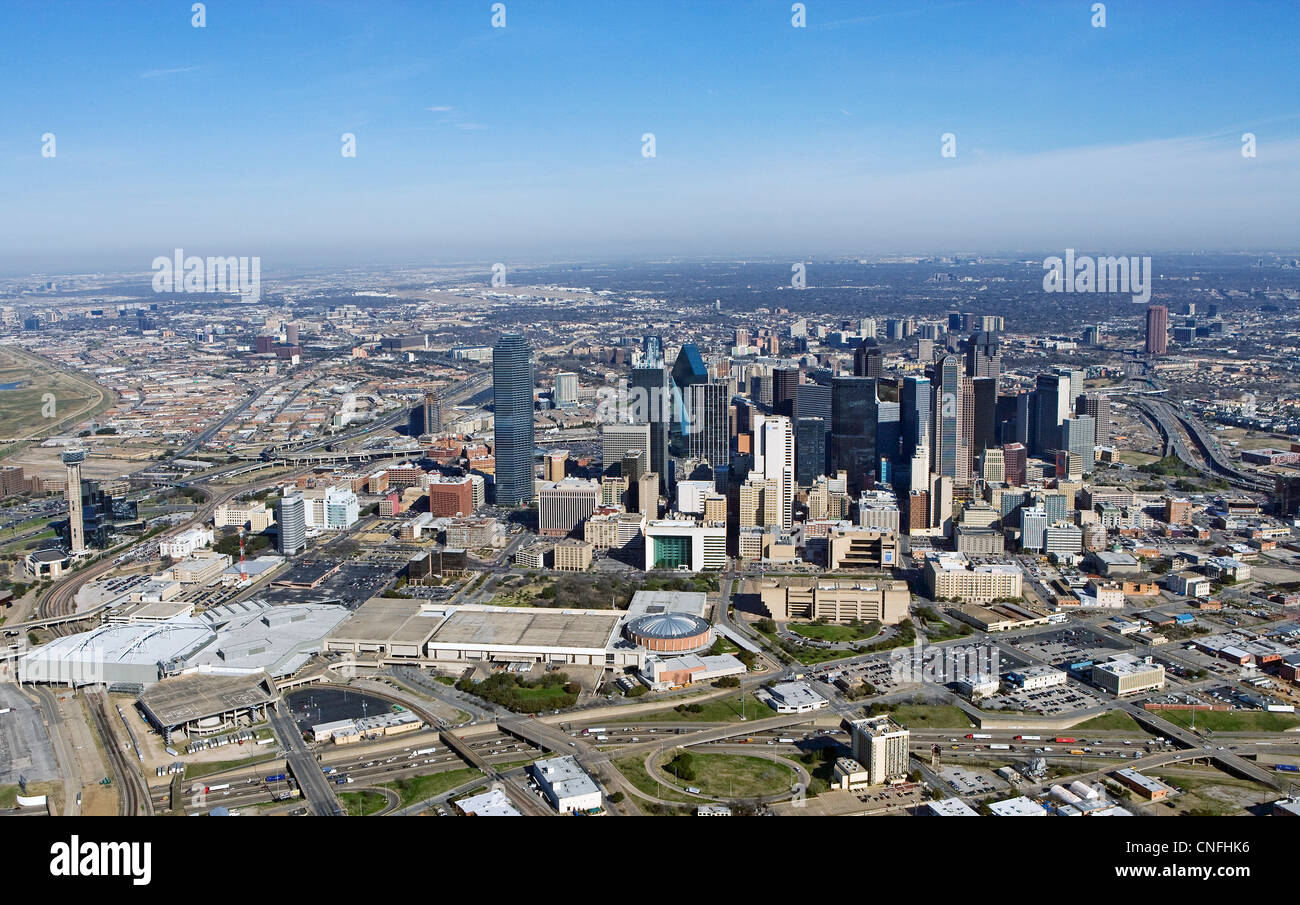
835	633
195	770
363	803
739	776
24	411
1234	721
633	769
718	710
418	788
933	716
1116	719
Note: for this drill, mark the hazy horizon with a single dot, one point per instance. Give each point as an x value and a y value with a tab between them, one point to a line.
476	143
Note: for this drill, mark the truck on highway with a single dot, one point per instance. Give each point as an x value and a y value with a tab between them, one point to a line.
1287	768
420	752
1076	751
999	747
276	777
5	710
594	731
977	735
218	788
1064	741
1029	738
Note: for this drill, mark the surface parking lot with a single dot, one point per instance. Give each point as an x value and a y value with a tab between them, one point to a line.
971	782
1047	701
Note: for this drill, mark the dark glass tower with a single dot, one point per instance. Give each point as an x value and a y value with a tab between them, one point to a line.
853	429
512	419
809	450
785	388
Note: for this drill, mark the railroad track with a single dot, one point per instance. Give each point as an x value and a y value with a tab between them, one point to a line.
133	795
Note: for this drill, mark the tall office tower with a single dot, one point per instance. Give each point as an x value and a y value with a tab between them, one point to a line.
647	495
993	466
774	461
741	337
1016	464
941	503
653	346
562	506
554	464
1077	378
984	356
868	360
1093	334
966	459
914	415
617	440
1053	407
706	430
984	414
432	407
853	429
1026	423
565	393
785	389
759	502
291	334
1157	330
888	441
951	454
924	350
72	459
1098	407
651	403
634	466
813	401
809	450
1033	525
512	419
1078	437
867	327
881	746
292	518
1004	419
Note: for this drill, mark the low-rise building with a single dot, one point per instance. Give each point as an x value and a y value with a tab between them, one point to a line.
566	784
1127	674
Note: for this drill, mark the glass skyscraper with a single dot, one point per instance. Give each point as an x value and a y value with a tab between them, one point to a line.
512	419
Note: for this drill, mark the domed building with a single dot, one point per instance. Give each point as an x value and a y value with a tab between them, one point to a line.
670	632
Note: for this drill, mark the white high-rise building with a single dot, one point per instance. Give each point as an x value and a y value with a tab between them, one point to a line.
774	459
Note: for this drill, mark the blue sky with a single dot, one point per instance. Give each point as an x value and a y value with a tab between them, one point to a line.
524	142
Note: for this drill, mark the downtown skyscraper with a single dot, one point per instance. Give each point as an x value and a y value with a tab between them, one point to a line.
512	419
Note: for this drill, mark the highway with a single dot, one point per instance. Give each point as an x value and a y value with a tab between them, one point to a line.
318	791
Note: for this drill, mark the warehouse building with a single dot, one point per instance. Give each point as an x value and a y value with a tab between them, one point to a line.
566	784
1127	674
